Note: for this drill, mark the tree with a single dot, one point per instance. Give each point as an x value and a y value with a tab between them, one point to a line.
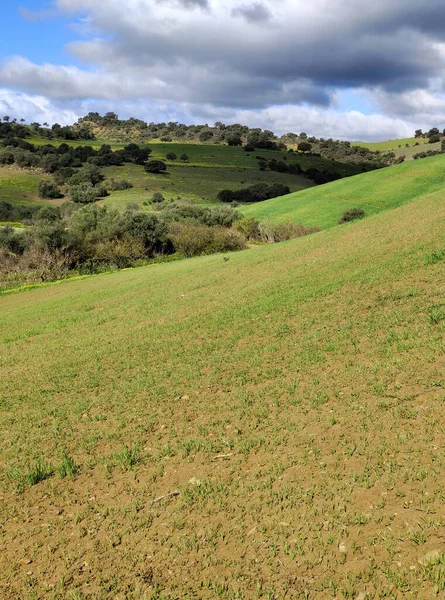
234	139
84	193
6	119
171	156
49	190
155	166
147	228
433	131
418	133
184	157
304	147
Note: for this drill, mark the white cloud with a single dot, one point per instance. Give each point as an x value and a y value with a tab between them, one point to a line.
250	58
32	108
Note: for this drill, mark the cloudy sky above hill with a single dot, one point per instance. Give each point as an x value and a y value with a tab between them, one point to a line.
349	69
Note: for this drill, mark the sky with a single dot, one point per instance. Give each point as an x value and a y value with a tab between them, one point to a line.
347	69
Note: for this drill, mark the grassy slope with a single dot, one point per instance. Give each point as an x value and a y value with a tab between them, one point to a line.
210	169
375	191
316	365
19	186
387	145
399	146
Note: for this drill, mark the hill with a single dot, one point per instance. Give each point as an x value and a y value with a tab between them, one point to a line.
266	426
407	147
373	192
205	170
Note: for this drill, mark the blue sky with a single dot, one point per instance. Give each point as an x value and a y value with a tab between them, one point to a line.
43	39
348	69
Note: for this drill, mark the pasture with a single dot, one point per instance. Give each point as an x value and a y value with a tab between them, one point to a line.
268	426
374	192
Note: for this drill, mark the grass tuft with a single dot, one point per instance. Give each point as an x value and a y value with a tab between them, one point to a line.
128	457
67	467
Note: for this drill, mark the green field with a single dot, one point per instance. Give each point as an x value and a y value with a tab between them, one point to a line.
20	186
387	145
379	190
209	169
399	146
290	399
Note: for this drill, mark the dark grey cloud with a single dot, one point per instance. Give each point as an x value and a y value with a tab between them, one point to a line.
257	12
219	56
204	4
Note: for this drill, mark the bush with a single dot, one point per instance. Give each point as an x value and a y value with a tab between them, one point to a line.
148	229
121	253
171	156
87	174
193	240
84	193
304	147
351	215
49	190
157	198
12	241
47	213
249	227
254	193
271	233
120	184
155	166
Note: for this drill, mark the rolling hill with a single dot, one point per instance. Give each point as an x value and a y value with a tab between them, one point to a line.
267	426
207	170
373	192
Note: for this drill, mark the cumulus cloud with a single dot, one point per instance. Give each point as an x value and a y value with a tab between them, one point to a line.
257	12
247	56
30	107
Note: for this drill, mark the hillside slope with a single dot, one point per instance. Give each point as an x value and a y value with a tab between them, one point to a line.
291	399
373	192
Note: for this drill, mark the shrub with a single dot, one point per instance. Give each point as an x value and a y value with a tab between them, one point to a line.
132	206
49	190
120	184
304	147
84	193
157	198
249	227
254	193
12	241
271	233
155	166
89	173
193	240
171	156
184	157
351	215
148	229
121	253
227	240
47	213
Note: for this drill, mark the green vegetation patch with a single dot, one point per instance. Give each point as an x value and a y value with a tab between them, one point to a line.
373	192
236	426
